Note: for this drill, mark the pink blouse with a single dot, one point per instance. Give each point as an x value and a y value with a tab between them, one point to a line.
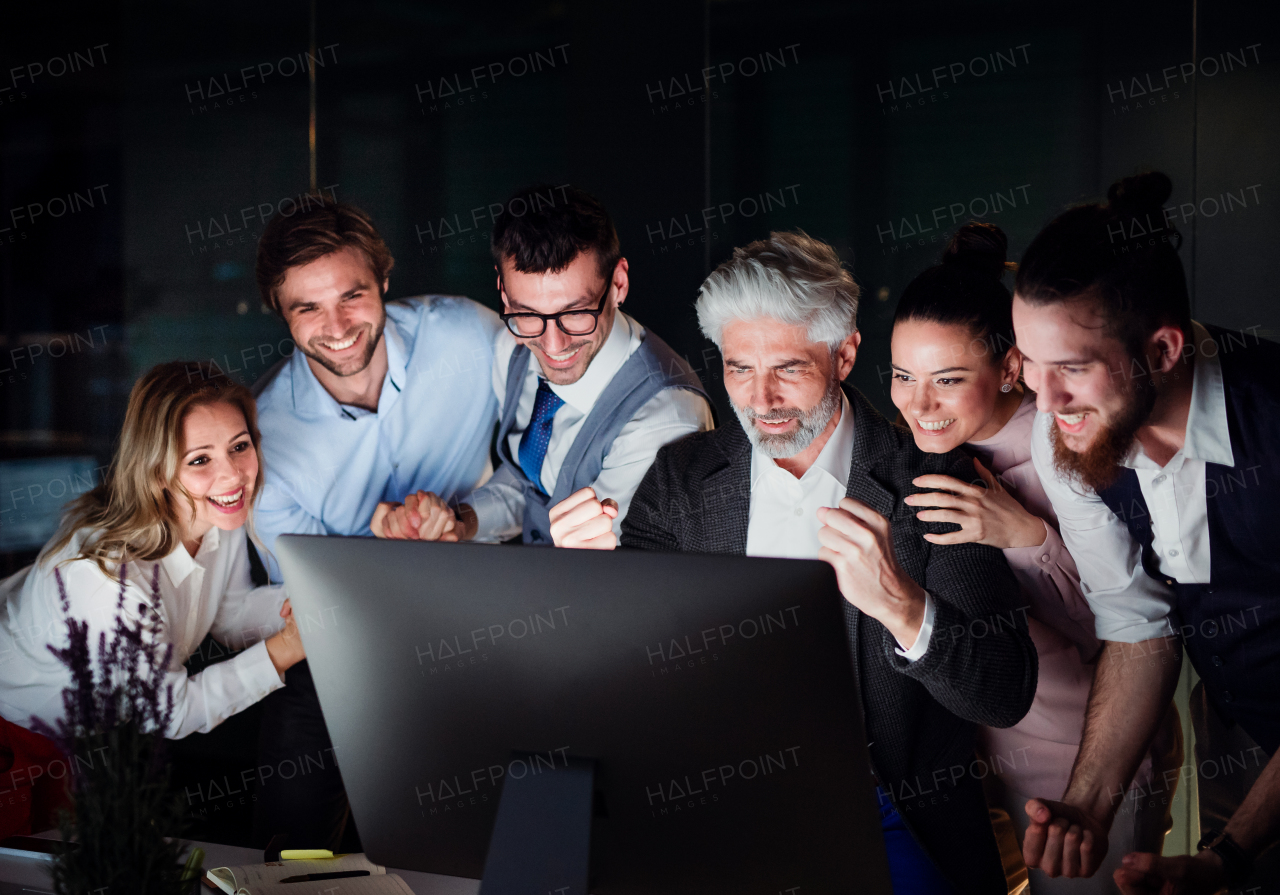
1034	757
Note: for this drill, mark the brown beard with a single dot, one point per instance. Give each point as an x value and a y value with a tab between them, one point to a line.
1099	465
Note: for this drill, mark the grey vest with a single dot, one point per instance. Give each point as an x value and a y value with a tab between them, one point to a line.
651	368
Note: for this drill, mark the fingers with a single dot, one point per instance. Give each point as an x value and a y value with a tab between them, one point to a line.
952	537
575	499
1071	851
286	610
610	506
947	483
1033	841
955	516
864	514
594	533
937	499
854	529
1056	834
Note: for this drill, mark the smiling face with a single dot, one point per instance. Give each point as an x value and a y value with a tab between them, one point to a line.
1080	373
1098	394
218	467
784	388
333	308
562	357
946	384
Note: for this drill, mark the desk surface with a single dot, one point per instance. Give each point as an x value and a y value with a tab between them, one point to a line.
31	877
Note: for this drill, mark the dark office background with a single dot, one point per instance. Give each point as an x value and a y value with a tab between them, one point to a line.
145	144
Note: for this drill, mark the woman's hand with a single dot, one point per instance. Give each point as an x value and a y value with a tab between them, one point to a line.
285	646
989	515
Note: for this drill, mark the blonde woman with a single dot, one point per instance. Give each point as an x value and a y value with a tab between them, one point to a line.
172	512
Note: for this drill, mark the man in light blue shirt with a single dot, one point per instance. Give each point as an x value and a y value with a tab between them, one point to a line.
380	400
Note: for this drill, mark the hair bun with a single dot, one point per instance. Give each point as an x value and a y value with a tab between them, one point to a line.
1140	194
980	247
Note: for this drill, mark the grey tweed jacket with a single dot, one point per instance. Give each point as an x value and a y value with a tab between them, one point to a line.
921	717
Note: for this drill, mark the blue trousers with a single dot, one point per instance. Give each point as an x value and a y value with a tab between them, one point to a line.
910	869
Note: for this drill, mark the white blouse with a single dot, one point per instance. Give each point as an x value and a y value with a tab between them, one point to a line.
208	594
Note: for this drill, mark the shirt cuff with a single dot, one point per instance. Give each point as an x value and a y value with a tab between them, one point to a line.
925	634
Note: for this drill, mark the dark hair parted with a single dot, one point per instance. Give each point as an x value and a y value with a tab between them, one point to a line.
1123	255
541	229
965	288
319	226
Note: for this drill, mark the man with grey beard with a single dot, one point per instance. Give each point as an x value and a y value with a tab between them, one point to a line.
812	471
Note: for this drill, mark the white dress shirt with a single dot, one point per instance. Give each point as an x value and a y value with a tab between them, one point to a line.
670	414
783	519
1128	605
208	594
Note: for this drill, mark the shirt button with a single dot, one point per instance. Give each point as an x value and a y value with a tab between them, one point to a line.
1173	552
799	511
1217	661
1209	628
1160	478
1226	696
1044	558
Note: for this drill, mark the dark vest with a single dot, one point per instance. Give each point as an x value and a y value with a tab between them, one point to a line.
651	368
1231	626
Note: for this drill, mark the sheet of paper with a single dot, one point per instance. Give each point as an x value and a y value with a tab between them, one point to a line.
251	874
387	884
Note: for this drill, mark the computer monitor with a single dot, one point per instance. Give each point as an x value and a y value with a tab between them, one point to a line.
714	693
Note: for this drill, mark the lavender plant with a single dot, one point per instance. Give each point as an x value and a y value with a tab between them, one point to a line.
123	836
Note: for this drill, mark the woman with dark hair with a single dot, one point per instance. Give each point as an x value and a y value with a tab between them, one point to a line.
956	381
161	541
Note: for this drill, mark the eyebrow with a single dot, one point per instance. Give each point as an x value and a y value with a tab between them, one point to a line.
587	303
360	286
791	362
936	372
205	447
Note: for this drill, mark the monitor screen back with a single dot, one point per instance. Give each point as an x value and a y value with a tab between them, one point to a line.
715	694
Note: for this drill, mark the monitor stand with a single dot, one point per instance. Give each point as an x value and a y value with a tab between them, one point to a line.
541	841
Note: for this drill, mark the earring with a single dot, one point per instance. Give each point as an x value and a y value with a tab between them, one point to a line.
1006	388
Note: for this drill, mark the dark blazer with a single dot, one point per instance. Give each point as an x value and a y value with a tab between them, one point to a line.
921	717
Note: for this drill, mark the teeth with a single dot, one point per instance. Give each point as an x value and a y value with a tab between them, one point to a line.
1071	419
227	500
563	356
935	425
339	346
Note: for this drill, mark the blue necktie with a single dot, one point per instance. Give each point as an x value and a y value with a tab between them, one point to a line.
534	441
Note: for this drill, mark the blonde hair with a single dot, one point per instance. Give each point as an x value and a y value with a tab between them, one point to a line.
136	514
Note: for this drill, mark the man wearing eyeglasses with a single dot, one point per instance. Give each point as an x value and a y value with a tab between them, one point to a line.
588	395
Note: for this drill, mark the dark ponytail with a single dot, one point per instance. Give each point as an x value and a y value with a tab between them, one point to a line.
1122	254
966	288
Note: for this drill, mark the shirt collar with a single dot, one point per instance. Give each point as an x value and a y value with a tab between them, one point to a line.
835	459
584	393
1208	437
179	563
310	398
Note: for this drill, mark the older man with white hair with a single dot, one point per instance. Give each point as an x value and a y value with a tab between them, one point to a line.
812	471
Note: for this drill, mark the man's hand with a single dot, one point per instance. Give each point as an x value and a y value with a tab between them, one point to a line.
1147	874
856	541
285	646
581	520
989	515
422	517
1063	840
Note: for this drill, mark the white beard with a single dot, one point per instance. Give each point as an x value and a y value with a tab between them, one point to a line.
812	423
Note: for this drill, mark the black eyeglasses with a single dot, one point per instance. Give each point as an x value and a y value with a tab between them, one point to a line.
571	323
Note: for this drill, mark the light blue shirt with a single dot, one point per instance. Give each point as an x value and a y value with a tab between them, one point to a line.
329	464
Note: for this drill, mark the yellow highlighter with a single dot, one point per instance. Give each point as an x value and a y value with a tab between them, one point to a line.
306	854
